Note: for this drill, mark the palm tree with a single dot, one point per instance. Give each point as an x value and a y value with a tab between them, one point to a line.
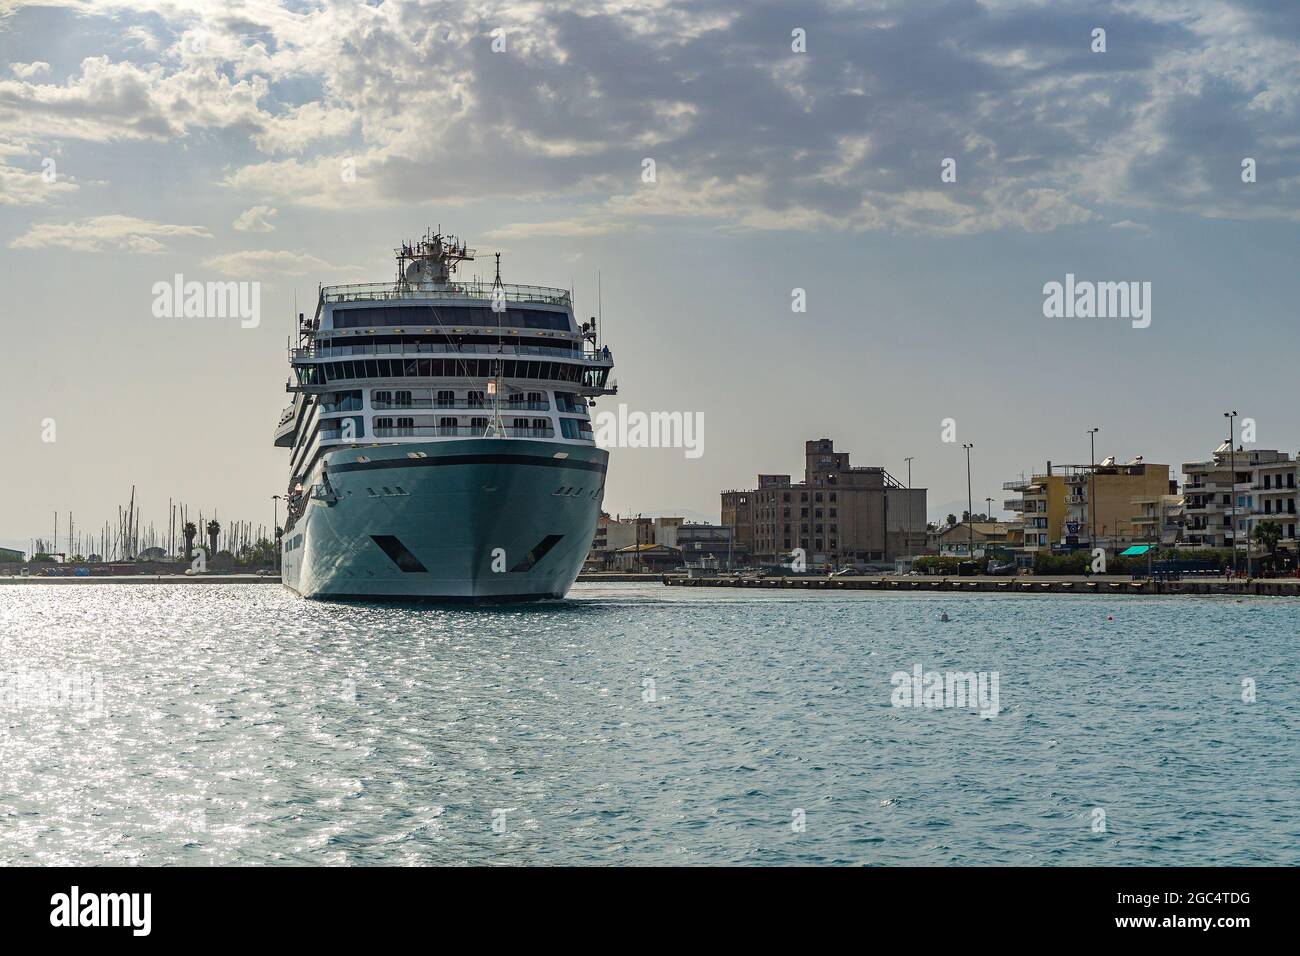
1267	534
190	532
213	529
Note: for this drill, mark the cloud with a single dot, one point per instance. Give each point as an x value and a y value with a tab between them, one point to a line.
24	187
103	233
256	219
746	133
257	263
25	71
559	228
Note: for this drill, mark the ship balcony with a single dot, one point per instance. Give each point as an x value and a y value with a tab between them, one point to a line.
284	433
458	431
462	405
310	356
478	291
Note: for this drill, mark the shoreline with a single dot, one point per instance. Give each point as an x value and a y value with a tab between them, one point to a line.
1256	587
1261	587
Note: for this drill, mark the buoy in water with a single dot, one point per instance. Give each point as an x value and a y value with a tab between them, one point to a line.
1110	617
944	617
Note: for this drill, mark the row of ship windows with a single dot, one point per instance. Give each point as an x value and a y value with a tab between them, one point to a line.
452	315
450	427
350	401
326	372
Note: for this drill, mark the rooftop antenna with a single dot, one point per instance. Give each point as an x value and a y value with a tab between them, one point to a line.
496	428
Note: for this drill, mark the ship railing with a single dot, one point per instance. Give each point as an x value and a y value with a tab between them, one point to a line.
383	291
461	405
450	431
440	348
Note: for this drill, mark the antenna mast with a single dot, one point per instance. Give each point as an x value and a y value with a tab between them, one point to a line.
496	428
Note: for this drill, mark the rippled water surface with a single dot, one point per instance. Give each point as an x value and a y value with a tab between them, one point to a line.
185	724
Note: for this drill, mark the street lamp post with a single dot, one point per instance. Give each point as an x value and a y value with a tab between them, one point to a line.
1092	492
970	504
1232	484
275	526
910	513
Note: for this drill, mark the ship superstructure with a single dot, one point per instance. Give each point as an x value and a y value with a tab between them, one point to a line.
440	435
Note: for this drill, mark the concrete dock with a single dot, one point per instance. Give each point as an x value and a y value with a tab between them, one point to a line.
1110	585
142	579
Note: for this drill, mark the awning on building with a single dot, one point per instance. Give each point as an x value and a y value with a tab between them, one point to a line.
1134	551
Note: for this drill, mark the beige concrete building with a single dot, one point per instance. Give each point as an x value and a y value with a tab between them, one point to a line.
960	539
838	515
1229	494
1063	507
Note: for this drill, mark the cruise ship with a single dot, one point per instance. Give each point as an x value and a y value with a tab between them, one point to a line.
441	439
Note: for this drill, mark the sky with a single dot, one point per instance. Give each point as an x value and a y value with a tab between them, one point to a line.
920	171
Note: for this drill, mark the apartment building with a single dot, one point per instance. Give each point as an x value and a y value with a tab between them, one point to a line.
1229	494
1040	511
1087	506
839	514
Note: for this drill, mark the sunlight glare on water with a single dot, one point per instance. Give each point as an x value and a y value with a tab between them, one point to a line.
238	724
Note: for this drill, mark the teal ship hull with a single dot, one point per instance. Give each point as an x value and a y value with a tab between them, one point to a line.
479	520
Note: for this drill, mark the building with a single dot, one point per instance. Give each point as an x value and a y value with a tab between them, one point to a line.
1062	508
612	535
10	556
648	558
709	546
1041	511
1159	520
838	515
1263	483
699	544
958	540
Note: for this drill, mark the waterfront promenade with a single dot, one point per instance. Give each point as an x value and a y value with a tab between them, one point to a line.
1028	584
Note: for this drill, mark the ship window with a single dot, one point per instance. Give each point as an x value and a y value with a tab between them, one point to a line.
383	398
406	423
447	423
541	424
446	399
521	423
478	424
536	398
569	427
394	316
475	399
402	399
